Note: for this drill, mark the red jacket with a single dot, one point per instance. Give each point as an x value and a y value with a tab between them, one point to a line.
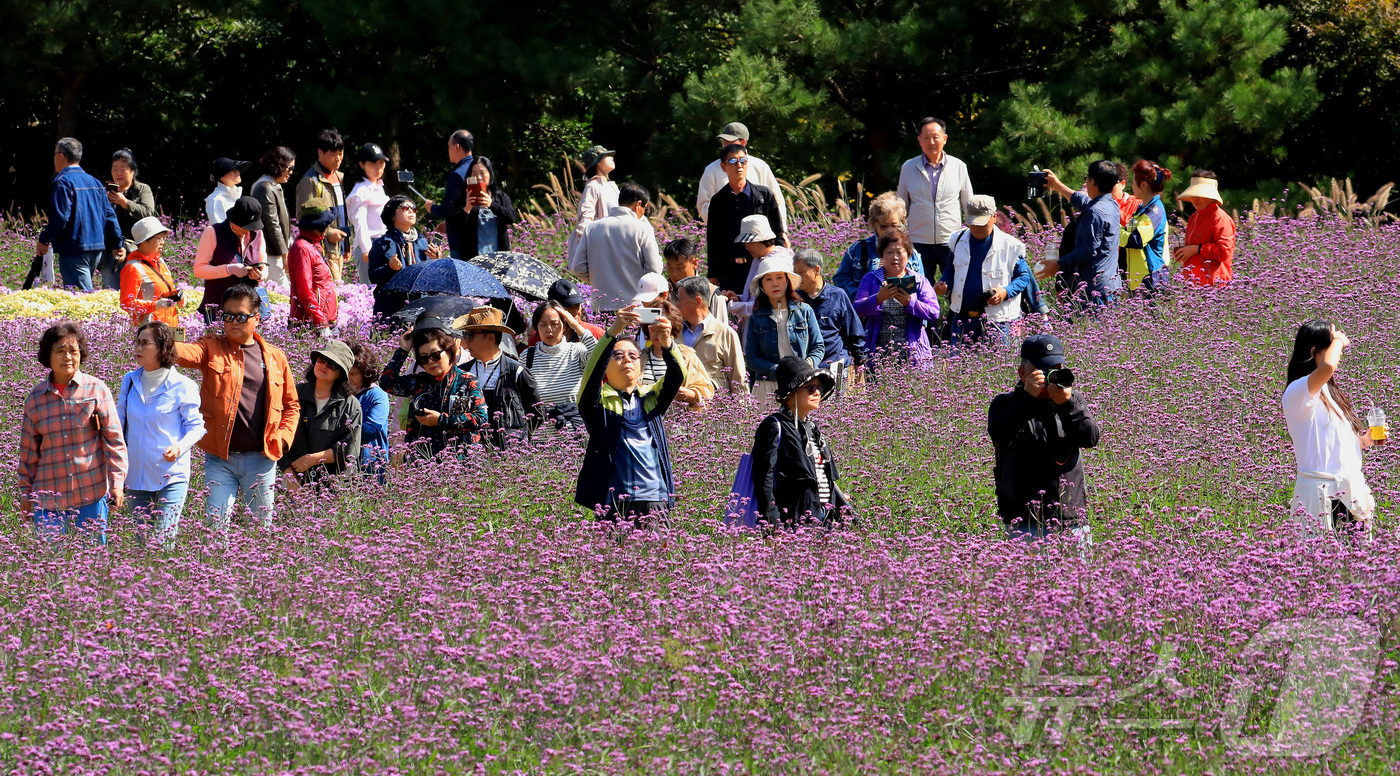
313	287
1214	231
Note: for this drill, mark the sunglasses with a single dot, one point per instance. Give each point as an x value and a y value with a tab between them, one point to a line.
626	355
428	358
407	209
229	317
317	358
812	390
737	161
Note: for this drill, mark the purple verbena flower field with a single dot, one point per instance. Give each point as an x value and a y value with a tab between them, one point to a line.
468	619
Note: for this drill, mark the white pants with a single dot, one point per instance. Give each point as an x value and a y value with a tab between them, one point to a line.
1314	492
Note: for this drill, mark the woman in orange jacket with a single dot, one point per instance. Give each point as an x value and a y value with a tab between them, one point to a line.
1210	234
148	291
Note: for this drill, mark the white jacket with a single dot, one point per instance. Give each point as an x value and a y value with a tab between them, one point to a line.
760	173
613	254
218	202
929	221
997	268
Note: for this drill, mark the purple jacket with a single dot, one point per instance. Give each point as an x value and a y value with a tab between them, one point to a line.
923	307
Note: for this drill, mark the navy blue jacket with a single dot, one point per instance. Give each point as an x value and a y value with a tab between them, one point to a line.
842	333
1094	260
454	198
81	217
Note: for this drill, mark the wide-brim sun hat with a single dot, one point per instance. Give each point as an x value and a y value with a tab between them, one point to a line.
768	266
146	228
337	353
793	373
1205	188
484	319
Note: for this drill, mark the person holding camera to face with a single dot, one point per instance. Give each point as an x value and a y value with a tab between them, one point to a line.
985	279
1091	268
1038	430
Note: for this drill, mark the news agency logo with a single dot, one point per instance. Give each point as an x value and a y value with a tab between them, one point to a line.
1330	666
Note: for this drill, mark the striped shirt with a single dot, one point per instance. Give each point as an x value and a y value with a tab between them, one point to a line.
558	370
71	449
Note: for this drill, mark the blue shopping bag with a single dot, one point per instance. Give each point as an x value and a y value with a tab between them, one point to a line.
740	510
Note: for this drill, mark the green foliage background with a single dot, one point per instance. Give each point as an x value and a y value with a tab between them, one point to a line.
1262	92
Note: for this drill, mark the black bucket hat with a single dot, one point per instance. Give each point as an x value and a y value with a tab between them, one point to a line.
793	373
246	213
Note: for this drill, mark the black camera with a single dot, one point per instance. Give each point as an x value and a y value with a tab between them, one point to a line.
178	297
1062	377
978	308
1035	184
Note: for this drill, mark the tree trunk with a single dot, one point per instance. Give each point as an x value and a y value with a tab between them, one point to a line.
68	107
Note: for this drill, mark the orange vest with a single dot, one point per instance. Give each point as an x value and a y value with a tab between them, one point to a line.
140	299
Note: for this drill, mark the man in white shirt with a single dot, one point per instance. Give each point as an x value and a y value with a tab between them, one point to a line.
615	252
760	173
935	189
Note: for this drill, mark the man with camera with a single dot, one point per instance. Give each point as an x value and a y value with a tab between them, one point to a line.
1091	268
986	277
1038	429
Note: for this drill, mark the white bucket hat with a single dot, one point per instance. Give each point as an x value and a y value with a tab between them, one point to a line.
146	228
755	228
781	262
1205	188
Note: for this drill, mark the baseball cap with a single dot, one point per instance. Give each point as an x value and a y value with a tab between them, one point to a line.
370	152
565	293
1044	351
733	132
981	209
650	286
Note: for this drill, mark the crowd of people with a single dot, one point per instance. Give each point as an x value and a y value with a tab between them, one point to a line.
940	272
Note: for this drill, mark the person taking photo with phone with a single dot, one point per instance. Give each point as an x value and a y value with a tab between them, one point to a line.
1038	429
896	304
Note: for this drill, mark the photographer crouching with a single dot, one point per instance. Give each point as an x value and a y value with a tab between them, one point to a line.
1038	429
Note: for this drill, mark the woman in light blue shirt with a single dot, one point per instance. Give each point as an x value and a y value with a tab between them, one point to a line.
159	412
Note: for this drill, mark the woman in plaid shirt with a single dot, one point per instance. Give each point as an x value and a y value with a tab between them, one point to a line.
72	455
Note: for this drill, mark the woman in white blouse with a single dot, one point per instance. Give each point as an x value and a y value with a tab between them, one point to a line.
599	193
557	362
1328	436
365	205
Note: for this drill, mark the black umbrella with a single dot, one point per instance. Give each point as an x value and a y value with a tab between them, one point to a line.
520	272
448	308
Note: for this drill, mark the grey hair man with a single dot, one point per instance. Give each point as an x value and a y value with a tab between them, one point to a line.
715	343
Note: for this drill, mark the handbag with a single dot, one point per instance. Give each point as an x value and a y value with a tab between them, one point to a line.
741	510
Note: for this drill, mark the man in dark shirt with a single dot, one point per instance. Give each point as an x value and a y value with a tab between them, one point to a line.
1037	430
454	193
841	329
1091	269
728	260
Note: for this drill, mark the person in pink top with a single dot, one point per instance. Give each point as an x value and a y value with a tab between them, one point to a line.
1210	234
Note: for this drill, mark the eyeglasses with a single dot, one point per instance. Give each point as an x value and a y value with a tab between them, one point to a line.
229	317
145	343
428	358
626	355
737	161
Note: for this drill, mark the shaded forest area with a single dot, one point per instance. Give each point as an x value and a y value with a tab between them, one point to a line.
1264	93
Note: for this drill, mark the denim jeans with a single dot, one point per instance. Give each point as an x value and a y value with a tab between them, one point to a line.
249	475
52	524
77	268
161	507
112	271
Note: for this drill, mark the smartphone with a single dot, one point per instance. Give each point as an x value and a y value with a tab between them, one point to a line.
405	176
112	187
647	315
475	186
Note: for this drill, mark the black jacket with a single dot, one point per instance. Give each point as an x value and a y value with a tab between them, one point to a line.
723	228
513	405
784	476
505	216
1039	471
336	427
